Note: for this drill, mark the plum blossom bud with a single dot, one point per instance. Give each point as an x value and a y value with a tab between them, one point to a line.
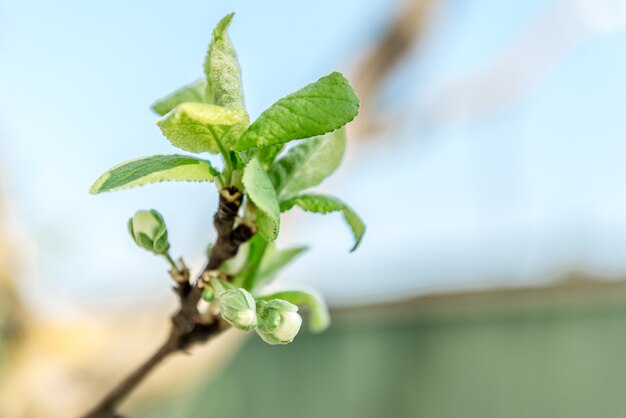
278	321
238	308
149	231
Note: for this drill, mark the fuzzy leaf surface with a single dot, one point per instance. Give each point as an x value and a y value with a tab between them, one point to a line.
222	70
200	127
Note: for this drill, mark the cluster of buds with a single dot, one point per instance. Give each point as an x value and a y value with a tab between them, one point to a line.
276	321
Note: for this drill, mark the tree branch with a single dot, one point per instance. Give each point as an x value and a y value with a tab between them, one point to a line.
187	328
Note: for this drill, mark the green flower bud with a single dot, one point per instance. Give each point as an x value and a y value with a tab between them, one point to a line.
278	321
238	308
149	231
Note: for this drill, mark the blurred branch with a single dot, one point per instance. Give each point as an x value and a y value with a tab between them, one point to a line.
400	36
188	325
13	316
513	72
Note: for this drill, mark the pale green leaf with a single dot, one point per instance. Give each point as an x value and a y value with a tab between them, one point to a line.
154	169
193	93
257	262
275	260
308	163
261	192
254	251
267	155
325	204
319	315
235	265
200	127
316	109
222	69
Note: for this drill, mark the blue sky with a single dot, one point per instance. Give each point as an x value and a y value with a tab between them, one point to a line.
513	195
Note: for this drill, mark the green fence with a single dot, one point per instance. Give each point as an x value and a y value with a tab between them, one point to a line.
543	353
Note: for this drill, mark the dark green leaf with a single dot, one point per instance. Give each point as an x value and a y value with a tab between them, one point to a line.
316	109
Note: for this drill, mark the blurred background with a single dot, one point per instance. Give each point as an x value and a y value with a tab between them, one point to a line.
487	161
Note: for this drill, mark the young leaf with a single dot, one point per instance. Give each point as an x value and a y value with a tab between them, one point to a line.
154	169
325	204
256	248
259	188
319	316
199	127
222	69
267	155
273	261
316	109
193	93
308	163
235	266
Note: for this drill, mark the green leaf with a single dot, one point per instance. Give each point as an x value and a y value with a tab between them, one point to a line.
267	155
273	261
261	192
222	69
325	204
260	261
193	93
199	127
255	250
308	163
319	319
316	109
154	169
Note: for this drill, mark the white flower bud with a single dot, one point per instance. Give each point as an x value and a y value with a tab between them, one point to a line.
149	231
238	308
278	321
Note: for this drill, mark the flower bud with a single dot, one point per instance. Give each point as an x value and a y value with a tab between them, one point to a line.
278	321
149	231
238	309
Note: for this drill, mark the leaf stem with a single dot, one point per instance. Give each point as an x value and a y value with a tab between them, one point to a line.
170	261
225	155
